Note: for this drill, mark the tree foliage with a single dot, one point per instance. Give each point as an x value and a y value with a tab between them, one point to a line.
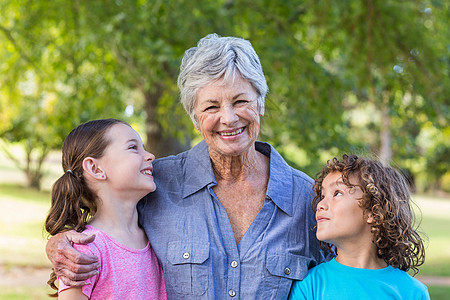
344	76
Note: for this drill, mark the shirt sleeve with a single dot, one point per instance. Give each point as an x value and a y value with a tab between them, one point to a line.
87	289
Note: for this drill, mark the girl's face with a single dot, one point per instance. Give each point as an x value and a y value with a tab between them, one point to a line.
340	219
228	116
126	164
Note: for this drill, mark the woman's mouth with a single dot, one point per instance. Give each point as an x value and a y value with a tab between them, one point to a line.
231	133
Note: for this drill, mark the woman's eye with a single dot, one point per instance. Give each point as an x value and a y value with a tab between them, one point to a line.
210	107
240	102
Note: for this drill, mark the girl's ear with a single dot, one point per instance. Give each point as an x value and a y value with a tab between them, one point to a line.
92	168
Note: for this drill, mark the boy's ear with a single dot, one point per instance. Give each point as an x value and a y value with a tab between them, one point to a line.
92	168
369	218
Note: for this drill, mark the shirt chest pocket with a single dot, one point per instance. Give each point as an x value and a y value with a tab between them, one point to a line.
294	267
188	267
282	269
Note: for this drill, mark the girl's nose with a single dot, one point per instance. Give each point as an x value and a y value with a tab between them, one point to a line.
149	156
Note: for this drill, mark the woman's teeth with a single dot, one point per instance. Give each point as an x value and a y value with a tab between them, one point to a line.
231	133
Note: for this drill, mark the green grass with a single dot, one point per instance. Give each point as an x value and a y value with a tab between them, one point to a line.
25	293
437	259
22	239
18	192
439	292
434	214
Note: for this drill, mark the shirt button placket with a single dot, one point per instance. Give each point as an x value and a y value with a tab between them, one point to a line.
233	279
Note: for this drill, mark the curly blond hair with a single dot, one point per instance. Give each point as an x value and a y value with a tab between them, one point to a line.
387	199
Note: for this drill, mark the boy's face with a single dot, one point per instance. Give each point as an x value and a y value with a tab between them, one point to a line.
340	219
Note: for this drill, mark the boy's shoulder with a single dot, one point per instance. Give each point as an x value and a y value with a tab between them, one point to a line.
407	279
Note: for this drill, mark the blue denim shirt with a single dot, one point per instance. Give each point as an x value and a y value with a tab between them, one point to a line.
191	234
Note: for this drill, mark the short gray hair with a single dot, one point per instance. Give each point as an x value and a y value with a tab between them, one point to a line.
216	57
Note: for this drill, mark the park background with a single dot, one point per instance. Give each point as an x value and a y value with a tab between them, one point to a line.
367	77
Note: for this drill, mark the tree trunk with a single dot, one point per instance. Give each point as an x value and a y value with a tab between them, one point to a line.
385	136
159	142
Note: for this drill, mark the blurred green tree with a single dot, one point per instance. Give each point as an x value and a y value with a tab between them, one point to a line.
52	78
396	56
349	77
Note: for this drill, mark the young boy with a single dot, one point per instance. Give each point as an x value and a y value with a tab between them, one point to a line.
364	216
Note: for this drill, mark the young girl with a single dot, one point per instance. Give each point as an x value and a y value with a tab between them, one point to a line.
364	217
106	172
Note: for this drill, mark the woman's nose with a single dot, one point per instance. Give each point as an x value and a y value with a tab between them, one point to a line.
228	115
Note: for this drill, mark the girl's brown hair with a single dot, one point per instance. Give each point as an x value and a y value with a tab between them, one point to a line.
73	202
387	199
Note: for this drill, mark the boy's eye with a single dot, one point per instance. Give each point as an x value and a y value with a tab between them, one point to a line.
337	193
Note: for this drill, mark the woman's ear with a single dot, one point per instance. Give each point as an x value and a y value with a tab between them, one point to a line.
194	120
261	111
93	169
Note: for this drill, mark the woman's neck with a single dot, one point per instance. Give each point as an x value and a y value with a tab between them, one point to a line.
233	168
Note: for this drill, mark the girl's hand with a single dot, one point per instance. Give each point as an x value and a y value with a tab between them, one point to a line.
70	265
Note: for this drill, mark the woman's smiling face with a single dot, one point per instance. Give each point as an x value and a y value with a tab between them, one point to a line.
228	116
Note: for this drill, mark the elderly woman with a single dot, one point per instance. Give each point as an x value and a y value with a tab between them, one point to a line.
229	218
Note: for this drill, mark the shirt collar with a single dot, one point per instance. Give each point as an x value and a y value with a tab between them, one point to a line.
280	188
199	173
198	169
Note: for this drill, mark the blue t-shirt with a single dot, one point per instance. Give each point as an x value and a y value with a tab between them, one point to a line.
191	234
333	280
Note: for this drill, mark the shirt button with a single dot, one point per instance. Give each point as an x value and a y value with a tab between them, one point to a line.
234	264
287	271
232	293
186	255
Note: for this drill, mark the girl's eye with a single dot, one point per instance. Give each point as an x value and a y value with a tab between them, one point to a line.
133	147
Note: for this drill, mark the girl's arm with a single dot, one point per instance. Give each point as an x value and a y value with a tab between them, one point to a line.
74	293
